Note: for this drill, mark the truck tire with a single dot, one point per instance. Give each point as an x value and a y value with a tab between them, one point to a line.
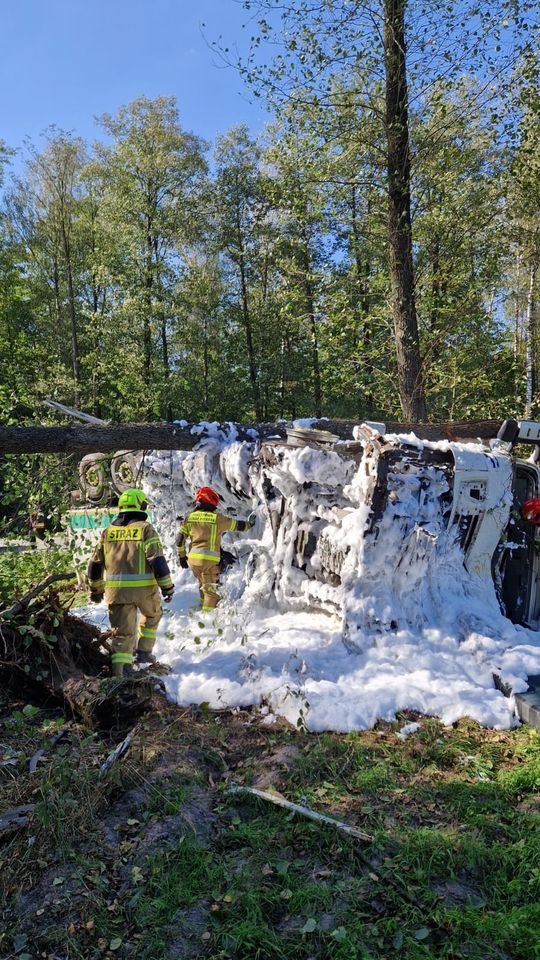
93	477
124	470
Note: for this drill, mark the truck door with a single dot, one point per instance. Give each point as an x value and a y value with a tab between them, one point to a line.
519	561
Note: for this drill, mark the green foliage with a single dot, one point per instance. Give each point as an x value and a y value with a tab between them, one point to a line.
21	570
137	285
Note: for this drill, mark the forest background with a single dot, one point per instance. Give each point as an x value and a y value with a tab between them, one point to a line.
372	254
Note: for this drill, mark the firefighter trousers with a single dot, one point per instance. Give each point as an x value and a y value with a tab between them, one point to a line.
207	574
123	619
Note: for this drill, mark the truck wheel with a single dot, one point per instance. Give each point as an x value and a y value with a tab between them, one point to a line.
92	476
124	469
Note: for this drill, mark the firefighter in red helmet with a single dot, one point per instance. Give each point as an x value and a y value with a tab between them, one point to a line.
530	510
203	528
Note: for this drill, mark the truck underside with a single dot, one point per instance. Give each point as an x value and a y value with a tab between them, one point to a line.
427	500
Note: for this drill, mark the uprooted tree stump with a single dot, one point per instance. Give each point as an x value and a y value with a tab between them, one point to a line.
53	657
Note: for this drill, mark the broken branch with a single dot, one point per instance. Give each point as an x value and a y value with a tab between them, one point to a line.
304	810
34	592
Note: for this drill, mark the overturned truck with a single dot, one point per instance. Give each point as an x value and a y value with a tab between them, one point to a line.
388	511
354	526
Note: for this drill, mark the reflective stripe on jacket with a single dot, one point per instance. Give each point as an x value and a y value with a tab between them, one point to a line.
126	554
203	529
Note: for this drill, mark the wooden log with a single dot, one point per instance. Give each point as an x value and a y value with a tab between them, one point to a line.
469	431
81	439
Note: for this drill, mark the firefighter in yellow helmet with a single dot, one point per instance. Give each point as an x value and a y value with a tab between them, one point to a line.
203	527
129	568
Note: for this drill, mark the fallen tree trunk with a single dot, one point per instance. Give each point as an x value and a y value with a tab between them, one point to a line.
77	438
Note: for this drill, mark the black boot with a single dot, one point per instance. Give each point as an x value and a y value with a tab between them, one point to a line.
143	656
119	670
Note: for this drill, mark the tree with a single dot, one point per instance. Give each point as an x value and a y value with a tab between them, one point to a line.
5	154
42	209
300	257
459	222
524	208
149	176
396	122
241	208
399	46
200	366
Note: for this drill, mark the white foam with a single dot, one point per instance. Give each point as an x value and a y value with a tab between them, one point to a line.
420	632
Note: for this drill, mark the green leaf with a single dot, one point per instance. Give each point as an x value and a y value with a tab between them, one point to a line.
115	943
339	934
29	710
309	926
397	942
421	934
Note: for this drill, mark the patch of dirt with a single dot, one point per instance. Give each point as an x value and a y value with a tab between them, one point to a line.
169	785
186	930
458	892
531	805
276	763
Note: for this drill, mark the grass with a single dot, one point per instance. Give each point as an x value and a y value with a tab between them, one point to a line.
158	861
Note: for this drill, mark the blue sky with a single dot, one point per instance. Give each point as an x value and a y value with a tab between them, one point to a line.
66	61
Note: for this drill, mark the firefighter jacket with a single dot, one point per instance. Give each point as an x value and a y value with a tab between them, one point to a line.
36	521
128	561
203	528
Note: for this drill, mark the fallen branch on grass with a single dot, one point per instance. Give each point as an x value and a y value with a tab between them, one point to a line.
16	818
304	810
116	754
33	762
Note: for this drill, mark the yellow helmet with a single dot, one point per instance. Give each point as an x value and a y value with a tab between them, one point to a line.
132	500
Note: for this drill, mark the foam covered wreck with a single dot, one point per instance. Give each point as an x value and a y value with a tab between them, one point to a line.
408	556
366	527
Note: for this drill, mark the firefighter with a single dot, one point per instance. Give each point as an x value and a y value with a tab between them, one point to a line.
530	511
203	527
129	568
36	522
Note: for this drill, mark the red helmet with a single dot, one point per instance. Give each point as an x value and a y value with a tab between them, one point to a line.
207	495
531	510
